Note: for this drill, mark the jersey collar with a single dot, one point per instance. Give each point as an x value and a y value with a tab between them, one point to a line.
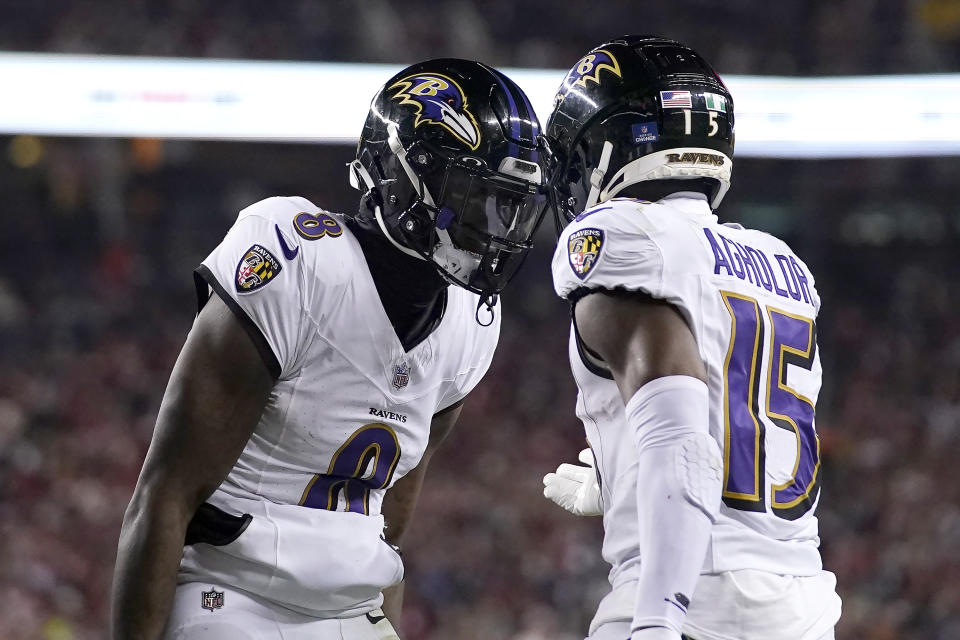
689	203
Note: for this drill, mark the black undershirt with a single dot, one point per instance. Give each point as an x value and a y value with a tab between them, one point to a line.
412	292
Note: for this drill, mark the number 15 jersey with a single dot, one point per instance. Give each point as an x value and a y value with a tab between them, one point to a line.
752	306
348	416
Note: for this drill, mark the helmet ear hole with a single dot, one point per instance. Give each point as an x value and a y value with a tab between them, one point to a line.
375	199
576	169
381	174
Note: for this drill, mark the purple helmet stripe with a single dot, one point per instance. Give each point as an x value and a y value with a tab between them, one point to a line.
513	148
530	116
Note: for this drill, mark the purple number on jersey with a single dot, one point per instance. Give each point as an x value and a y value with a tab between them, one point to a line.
316	226
364	462
744	432
793	340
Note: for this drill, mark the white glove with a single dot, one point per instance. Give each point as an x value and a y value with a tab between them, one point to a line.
575	487
655	633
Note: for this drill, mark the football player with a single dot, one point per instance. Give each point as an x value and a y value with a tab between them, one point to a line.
330	357
693	345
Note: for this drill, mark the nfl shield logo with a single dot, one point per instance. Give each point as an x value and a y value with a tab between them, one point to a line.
212	599
401	375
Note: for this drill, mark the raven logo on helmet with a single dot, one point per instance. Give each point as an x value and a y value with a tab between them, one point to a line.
439	100
589	68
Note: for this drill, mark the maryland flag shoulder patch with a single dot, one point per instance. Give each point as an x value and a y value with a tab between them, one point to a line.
256	268
583	250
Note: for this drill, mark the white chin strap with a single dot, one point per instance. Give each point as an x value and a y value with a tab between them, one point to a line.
596	178
454	261
682	163
358	174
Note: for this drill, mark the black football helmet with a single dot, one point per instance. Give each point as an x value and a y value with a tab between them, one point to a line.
449	166
635	109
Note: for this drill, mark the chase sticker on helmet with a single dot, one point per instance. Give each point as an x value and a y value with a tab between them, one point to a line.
583	250
256	269
589	68
644	132
439	100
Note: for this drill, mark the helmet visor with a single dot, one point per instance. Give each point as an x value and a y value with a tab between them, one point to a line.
490	218
476	205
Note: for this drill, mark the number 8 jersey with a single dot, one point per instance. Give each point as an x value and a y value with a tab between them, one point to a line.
752	306
349	414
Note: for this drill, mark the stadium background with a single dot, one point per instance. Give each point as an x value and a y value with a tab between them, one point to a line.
99	237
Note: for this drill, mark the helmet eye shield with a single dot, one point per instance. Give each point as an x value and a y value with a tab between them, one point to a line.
487	203
485	221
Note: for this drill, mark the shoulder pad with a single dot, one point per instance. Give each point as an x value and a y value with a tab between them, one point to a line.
607	247
278	208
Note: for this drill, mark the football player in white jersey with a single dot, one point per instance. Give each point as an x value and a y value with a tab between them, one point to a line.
330	357
693	345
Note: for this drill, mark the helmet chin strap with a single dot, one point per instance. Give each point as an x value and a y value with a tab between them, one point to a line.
358	174
596	178
447	251
489	302
393	140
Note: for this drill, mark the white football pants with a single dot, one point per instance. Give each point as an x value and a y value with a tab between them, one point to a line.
739	605
621	631
237	615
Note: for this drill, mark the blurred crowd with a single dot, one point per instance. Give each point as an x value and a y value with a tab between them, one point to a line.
100	238
739	36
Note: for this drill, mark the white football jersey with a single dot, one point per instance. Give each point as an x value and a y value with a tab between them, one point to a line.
349	414
752	305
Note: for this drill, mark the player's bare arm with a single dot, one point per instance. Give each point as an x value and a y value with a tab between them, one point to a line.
654	359
400	502
212	403
639	338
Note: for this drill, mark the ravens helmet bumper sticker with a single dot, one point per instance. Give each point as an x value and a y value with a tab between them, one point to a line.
257	267
439	100
583	250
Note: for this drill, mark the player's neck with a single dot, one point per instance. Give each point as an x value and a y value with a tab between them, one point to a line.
411	291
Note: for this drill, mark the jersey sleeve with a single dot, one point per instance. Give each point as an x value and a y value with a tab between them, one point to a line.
255	272
476	361
607	248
